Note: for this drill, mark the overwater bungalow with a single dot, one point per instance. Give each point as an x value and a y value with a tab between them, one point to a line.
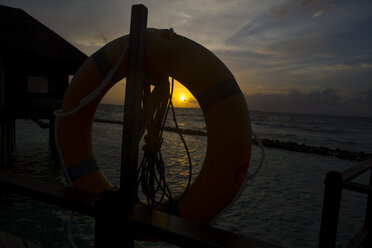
35	64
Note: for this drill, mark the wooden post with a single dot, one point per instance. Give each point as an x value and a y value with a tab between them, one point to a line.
3	158
132	105
13	134
2	83
52	144
108	229
331	209
3	145
8	139
368	217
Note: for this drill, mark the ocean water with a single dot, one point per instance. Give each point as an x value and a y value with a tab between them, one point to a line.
282	204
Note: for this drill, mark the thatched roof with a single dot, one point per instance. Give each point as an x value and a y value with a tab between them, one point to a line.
21	32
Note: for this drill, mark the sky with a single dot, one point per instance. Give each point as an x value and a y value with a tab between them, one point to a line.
308	56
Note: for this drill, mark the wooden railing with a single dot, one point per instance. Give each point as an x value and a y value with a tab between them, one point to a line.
116	226
335	182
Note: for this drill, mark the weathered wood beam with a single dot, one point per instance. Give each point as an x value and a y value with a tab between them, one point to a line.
57	195
356	170
357	187
358	239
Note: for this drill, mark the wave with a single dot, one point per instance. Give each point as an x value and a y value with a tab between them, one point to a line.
275	143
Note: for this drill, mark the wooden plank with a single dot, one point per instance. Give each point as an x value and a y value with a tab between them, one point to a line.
358	239
132	106
357	187
185	233
355	171
57	195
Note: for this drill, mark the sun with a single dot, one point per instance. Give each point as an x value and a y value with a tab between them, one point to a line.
182	97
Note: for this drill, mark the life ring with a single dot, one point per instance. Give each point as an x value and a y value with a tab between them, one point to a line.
207	78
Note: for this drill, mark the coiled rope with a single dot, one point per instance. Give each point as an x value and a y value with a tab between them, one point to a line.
151	171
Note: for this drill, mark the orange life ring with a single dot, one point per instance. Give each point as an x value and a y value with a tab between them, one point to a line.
207	78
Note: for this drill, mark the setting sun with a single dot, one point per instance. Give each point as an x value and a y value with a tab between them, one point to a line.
182	97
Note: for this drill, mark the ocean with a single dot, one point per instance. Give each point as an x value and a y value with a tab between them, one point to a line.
282	204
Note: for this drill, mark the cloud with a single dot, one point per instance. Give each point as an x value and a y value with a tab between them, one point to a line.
295	47
329	69
367	99
293	6
298	51
326	101
324	10
335	28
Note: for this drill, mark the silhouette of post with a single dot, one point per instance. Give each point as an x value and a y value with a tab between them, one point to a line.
52	142
3	145
132	105
3	155
368	217
331	209
108	227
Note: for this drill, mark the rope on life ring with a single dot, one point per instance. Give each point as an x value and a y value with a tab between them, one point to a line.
205	76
